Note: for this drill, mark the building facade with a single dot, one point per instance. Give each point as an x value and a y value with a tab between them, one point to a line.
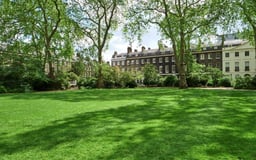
239	60
233	57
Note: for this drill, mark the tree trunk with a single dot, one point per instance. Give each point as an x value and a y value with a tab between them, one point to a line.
100	83
51	69
49	60
182	65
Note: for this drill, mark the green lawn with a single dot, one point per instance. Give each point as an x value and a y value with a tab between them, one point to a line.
129	124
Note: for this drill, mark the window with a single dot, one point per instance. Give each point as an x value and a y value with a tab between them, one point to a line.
128	62
227	66
246	53
173	69
137	61
148	60
218	55
202	56
236	66
173	59
118	63
166	68
218	65
154	60
210	55
236	54
142	61
113	63
166	59
132	62
226	54
160	60
123	62
160	69
247	66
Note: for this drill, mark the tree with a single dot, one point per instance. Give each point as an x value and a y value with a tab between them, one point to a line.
244	11
97	19
150	75
179	21
44	31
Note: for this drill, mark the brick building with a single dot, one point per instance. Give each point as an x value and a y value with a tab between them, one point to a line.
210	55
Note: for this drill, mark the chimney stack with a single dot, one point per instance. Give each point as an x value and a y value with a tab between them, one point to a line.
115	54
129	49
143	49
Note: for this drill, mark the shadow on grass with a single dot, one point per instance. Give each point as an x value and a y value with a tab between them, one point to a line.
189	125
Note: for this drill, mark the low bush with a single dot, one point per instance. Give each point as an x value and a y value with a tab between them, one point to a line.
253	82
3	89
243	83
170	81
89	82
224	82
193	81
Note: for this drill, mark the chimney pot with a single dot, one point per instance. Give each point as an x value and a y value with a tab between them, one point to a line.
129	49
143	48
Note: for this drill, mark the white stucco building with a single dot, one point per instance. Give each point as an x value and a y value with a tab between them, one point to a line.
238	60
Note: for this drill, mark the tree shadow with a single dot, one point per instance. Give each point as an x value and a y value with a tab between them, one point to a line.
166	126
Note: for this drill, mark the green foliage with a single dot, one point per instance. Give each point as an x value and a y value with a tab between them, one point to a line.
89	82
150	75
246	82
78	67
193	81
127	80
171	81
224	82
3	89
44	33
253	82
215	74
72	76
178	21
97	19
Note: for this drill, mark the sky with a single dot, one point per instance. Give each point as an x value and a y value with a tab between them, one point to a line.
119	44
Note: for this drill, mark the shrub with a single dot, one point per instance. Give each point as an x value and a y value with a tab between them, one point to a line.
89	82
253	82
150	75
225	82
203	81
127	80
160	82
131	84
193	81
170	81
72	76
3	89
243	83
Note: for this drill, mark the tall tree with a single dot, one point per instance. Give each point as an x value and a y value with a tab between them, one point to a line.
179	21
98	18
44	30
245	13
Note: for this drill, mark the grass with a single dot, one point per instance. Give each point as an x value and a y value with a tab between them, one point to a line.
129	124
